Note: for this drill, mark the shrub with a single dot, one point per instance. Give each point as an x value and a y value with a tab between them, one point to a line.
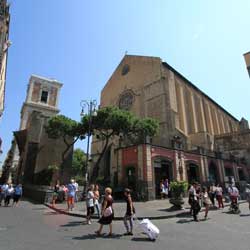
178	188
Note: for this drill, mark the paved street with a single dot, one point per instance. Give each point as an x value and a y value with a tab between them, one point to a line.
35	227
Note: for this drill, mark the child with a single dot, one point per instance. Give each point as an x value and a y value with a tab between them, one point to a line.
129	212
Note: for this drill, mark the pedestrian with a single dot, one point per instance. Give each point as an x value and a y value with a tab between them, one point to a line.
71	195
90	203
219	196
96	200
212	193
130	211
166	186
55	193
195	206
247	193
233	194
77	189
162	190
8	194
3	192
18	192
65	192
206	201
107	212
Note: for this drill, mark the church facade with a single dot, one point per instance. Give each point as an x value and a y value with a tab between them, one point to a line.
191	123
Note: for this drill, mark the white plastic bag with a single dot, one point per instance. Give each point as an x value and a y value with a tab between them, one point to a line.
149	228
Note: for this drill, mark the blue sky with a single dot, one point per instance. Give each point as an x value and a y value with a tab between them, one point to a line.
80	43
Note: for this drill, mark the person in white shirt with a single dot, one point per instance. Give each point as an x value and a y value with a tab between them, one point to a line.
8	194
90	203
233	193
77	189
194	201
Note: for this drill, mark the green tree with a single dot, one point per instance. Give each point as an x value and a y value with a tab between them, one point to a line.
111	122
69	130
78	162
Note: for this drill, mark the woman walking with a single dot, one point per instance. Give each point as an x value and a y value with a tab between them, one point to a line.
96	200
206	201
107	212
219	196
55	193
129	212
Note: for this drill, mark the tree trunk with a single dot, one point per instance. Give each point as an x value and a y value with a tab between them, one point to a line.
96	167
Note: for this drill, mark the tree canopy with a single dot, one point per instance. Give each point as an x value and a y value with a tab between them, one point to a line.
109	122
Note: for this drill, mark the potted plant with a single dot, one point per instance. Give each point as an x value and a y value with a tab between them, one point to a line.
178	188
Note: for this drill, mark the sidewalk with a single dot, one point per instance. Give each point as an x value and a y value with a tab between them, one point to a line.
153	210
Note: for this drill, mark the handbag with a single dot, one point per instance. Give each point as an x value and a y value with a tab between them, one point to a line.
107	212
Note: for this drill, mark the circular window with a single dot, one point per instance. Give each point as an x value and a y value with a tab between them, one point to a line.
125	69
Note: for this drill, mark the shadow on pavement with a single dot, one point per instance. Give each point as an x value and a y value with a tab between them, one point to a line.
184	215
183	221
74	224
142	239
244	215
94	236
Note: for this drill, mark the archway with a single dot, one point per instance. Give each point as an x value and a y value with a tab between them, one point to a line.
193	172
213	173
162	170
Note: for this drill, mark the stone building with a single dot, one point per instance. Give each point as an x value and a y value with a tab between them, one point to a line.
247	60
4	44
34	151
185	148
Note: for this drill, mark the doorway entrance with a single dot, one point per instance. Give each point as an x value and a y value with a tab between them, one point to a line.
213	175
193	173
162	171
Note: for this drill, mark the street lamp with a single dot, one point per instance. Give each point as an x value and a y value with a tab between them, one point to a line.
90	107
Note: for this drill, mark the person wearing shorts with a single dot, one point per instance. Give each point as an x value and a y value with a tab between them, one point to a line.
71	195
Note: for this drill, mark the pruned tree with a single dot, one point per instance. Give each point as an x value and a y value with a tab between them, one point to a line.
69	130
111	122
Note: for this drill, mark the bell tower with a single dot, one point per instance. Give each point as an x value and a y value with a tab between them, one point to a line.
42	96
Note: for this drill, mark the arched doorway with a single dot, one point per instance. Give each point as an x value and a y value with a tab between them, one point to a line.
213	173
162	171
193	172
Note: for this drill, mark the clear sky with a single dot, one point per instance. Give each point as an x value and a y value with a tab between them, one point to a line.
80	43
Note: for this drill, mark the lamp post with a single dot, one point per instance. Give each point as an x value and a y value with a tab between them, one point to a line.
90	107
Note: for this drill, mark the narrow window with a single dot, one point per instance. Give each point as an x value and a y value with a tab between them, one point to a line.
44	96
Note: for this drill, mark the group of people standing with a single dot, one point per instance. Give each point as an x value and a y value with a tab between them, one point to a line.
207	196
8	192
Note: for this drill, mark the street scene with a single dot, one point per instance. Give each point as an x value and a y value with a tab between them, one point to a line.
124	125
37	227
